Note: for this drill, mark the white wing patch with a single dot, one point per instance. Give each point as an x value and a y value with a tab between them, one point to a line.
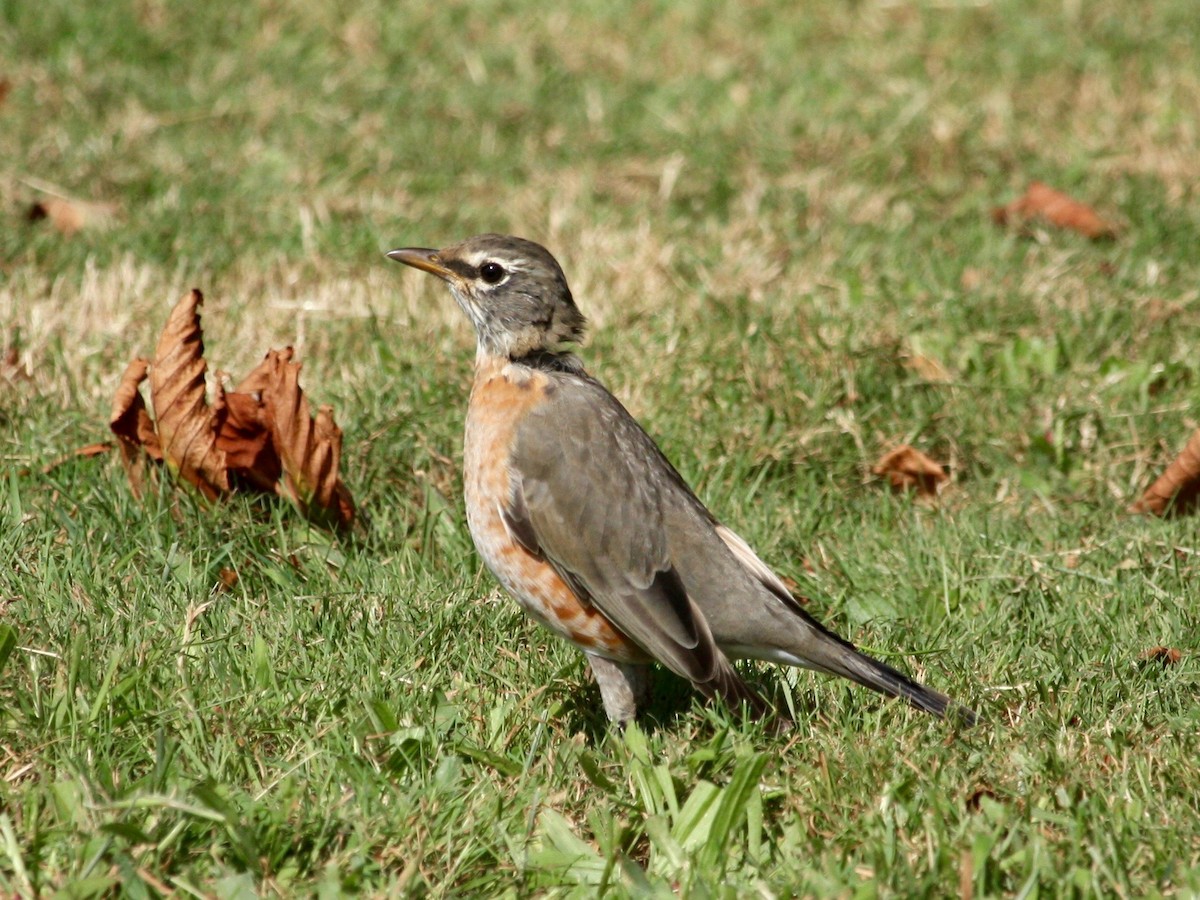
775	585
750	560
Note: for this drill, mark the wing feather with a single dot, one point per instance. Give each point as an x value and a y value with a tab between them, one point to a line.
587	497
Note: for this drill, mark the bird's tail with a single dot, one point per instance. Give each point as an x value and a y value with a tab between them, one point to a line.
879	676
800	640
816	647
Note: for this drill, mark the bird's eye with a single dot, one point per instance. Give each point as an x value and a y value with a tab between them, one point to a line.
491	272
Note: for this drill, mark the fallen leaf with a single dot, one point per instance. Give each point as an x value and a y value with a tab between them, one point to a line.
260	376
1177	490
1168	656
907	468
130	420
69	216
187	426
260	437
310	449
245	438
1042	202
229	578
132	425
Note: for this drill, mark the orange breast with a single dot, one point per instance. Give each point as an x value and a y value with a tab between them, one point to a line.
501	397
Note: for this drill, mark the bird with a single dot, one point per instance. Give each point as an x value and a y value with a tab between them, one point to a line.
586	523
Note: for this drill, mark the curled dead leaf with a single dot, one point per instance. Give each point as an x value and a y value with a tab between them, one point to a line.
132	425
187	426
1168	656
309	449
245	438
1044	203
907	468
259	437
69	216
260	376
1177	490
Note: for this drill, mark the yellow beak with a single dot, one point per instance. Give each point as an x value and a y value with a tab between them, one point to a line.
422	258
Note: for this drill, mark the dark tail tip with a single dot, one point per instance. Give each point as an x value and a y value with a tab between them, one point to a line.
883	678
961	715
935	702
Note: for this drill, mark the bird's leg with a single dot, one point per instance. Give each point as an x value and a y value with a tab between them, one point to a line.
624	687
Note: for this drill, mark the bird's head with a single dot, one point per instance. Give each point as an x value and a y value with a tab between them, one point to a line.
513	291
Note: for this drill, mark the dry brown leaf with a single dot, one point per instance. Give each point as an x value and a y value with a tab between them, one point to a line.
260	376
907	468
229	578
245	438
1040	201
258	437
132	425
310	450
1177	490
130	421
187	426
69	216
1168	656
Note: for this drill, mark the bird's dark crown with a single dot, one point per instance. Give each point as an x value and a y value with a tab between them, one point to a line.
513	291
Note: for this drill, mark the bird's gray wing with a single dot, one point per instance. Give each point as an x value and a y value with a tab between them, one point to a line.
588	491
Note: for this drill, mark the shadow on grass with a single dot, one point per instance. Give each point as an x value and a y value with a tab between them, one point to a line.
670	705
675	707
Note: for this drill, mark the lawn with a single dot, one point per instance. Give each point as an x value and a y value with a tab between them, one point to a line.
778	220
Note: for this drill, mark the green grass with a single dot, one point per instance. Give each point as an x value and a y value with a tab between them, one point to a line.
768	213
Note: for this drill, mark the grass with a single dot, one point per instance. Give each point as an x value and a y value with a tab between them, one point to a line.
777	222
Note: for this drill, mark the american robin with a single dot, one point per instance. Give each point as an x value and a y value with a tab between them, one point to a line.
582	519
